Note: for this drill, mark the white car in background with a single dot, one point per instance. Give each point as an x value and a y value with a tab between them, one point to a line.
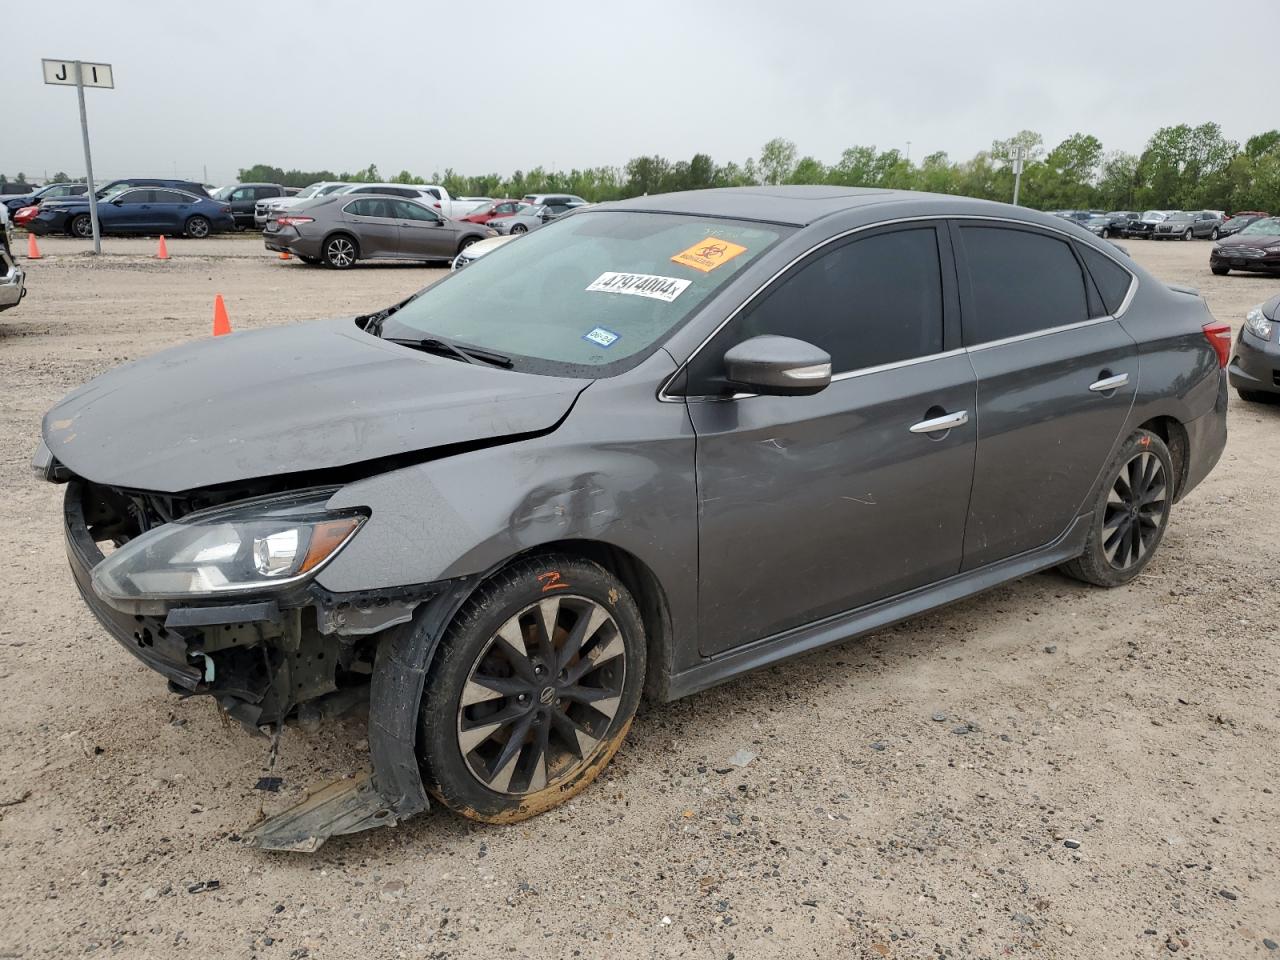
12	278
477	250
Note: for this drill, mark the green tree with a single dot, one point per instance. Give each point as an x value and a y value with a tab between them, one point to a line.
808	170
777	160
60	177
1118	182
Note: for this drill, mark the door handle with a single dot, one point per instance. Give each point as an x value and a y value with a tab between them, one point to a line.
1107	384
946	422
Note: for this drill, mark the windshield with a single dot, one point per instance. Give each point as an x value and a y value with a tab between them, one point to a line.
1098	220
1153	215
1267	226
222	192
582	296
1179	217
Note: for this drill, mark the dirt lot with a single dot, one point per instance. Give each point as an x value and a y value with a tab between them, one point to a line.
1142	722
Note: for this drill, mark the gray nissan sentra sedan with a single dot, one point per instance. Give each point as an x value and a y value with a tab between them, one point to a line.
653	446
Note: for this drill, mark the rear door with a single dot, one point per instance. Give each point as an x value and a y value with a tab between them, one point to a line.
1056	378
424	233
810	506
374	222
170	210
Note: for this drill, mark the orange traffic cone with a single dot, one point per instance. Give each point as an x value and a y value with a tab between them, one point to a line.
284	255
162	251
221	324
33	249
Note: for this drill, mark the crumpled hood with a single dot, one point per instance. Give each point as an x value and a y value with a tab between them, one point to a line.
284	400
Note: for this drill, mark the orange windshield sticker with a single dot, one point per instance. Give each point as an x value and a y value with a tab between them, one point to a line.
709	254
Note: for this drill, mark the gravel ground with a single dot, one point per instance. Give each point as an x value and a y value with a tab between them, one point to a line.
915	793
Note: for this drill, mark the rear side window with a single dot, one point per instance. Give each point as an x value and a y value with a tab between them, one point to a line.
1022	282
1111	279
872	301
169	196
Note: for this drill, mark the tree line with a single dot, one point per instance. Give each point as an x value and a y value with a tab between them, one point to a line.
1184	167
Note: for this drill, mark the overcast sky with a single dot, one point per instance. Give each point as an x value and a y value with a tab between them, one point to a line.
504	85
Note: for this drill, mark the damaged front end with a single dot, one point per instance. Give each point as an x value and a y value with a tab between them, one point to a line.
161	573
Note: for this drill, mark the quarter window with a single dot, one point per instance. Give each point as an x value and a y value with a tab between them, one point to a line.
871	301
1021	282
1111	279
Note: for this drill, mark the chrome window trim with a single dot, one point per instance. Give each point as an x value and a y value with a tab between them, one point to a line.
665	397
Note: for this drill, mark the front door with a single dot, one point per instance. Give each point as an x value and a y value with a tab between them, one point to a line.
1056	378
133	212
810	506
424	234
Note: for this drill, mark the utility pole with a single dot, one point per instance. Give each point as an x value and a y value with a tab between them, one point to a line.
1019	155
908	150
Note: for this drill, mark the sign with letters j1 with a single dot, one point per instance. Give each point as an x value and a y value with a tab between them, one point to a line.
64	72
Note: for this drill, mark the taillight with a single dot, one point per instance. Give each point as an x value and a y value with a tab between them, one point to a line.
294	221
1219	337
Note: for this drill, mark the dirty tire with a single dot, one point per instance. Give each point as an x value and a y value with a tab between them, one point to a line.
1094	565
455	779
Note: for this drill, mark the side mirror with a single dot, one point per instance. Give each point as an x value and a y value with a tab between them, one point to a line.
778	366
117	202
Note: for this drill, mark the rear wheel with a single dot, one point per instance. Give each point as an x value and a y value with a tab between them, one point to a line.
82	227
1255	396
340	252
532	691
1130	513
197	228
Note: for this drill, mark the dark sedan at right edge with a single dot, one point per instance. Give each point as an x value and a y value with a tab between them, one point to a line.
1255	363
653	446
1255	249
342	228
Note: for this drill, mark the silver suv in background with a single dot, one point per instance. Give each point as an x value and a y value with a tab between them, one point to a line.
12	278
269	209
1186	226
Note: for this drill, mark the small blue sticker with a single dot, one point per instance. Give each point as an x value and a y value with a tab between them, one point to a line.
601	337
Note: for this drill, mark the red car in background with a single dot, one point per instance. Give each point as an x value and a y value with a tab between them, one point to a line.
499	208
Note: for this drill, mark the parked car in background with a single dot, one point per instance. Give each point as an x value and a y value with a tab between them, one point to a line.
243	199
12	277
609	460
1099	224
492	211
1254	249
528	216
1255	363
264	210
1238	223
1202	224
342	228
137	210
23	215
1119	220
434	196
558	202
52	191
482	248
1251	213
1145	226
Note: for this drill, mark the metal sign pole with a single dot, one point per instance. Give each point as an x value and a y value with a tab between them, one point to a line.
1017	173
88	160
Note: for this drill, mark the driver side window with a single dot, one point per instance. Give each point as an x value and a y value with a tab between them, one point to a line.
870	301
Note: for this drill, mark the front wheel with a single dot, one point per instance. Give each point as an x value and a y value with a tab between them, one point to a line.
467	242
519	228
1130	513
1214	235
1254	396
1187	234
532	691
82	227
197	228
1106	233
1220	271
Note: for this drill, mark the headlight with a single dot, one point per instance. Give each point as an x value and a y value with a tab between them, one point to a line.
1257	324
261	545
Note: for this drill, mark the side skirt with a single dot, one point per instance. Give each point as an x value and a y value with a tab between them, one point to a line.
876	616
